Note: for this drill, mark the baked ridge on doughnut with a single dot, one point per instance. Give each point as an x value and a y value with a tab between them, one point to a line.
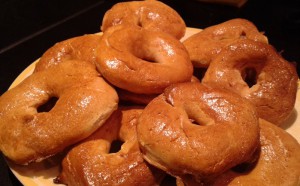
193	129
84	102
145	62
149	14
92	163
256	71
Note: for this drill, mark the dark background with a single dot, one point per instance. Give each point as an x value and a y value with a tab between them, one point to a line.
28	28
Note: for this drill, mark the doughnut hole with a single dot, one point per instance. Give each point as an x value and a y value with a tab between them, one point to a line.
243	34
144	55
249	75
48	105
141	49
243	168
197	116
116	146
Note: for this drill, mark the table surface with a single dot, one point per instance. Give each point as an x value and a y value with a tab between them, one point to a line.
29	30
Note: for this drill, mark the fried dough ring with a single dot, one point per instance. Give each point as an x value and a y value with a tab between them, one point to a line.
76	48
151	15
145	62
205	45
84	102
278	162
91	161
257	72
227	132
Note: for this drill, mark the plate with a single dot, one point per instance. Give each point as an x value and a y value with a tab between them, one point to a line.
44	172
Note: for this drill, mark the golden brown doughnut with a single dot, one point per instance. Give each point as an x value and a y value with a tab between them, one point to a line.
145	62
84	102
149	14
192	129
92	163
76	48
205	45
257	72
278	162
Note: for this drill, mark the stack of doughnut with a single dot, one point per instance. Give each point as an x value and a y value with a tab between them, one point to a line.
125	107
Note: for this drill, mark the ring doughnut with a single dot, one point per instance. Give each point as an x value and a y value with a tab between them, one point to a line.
193	129
92	162
278	161
76	48
257	72
151	15
84	102
145	62
205	45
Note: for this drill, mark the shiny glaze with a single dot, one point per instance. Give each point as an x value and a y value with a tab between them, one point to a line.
145	62
192	129
84	102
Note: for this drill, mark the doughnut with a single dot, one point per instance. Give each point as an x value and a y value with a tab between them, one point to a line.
193	129
93	162
76	48
30	131
259	73
278	162
151	15
206	44
145	62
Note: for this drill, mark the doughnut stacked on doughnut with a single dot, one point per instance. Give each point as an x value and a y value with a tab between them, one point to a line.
91	162
257	72
145	62
193	129
205	45
200	131
84	102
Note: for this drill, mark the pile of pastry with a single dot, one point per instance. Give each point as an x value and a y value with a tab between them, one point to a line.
137	104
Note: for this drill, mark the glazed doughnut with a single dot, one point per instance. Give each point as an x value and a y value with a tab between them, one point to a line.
92	162
206	44
151	15
257	72
84	102
145	62
278	162
192	129
76	48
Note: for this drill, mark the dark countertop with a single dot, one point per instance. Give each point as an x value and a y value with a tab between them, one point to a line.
29	28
